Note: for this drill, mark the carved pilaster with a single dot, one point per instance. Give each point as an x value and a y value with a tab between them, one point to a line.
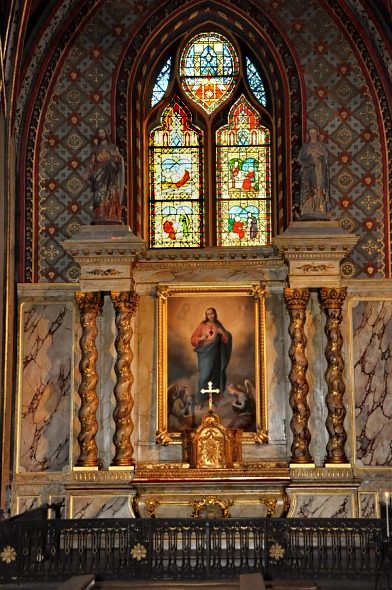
125	304
331	301
90	305
296	301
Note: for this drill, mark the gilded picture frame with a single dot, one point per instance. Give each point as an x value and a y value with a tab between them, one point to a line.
240	320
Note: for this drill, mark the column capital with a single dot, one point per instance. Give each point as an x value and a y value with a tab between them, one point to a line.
332	298
296	298
125	301
89	301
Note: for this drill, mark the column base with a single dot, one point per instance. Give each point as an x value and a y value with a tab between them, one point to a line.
302	465
121	468
337	465
85	468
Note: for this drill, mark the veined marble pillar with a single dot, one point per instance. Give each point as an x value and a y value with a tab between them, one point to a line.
331	301
90	305
125	304
296	301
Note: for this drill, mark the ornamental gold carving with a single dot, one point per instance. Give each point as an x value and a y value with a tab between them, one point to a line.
163	437
183	471
261	436
211	504
212	448
296	301
332	298
151	505
270	503
331	301
125	304
90	305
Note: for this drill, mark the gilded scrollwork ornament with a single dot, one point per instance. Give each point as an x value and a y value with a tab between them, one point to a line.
125	305
211	504
90	306
331	302
163	437
296	301
261	436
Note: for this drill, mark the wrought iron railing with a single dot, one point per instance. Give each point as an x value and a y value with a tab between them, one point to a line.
192	548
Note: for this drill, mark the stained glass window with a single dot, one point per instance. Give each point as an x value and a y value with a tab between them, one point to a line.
255	82
176	180
208	70
161	83
243	182
209	176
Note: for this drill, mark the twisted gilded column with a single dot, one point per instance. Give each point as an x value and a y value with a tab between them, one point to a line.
331	301
90	305
125	304
296	301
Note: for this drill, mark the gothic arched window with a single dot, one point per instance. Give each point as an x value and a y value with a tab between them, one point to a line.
209	148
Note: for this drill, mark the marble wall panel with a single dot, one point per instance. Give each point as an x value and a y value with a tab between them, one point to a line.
316	342
26	503
114	506
107	379
145	409
45	386
277	367
368	505
321	504
372	381
154	274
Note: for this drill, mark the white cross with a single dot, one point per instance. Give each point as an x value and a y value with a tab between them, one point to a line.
210	391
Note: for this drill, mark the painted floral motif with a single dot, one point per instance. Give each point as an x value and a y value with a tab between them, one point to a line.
276	551
8	555
138	552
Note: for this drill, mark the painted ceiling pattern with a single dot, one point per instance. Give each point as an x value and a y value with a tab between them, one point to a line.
340	105
80	104
338	102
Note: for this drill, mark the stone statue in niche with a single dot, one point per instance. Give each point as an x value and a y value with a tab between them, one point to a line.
313	158
105	170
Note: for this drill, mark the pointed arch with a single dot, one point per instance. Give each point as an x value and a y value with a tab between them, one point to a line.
243	181
274	59
176	180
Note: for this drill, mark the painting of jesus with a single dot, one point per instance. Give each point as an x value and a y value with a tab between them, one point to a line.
213	335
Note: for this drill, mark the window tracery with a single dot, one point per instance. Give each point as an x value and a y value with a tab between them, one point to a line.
210	185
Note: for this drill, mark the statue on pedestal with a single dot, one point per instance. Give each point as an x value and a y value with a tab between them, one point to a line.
105	170
313	157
